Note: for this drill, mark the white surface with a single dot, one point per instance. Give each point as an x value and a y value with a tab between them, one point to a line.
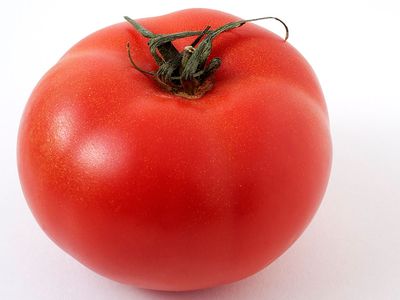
352	248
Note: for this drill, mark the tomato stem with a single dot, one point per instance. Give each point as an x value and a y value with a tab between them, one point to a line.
187	73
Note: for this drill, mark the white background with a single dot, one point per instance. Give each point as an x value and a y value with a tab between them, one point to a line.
351	250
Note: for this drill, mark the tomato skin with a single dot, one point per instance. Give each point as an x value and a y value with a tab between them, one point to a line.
167	193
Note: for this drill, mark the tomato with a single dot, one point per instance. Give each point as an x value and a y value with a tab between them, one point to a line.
162	192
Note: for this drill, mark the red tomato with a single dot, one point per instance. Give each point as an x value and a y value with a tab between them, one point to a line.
162	192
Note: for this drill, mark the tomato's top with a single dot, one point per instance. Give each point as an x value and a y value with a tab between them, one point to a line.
249	54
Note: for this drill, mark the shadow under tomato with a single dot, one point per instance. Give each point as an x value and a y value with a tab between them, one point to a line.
244	289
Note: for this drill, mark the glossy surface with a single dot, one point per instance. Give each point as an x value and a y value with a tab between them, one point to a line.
160	192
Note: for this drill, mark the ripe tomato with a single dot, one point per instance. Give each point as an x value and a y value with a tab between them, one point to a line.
162	192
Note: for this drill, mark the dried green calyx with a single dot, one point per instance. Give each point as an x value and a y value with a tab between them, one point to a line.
187	73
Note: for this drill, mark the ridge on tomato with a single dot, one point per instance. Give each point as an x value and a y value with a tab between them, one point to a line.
163	192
